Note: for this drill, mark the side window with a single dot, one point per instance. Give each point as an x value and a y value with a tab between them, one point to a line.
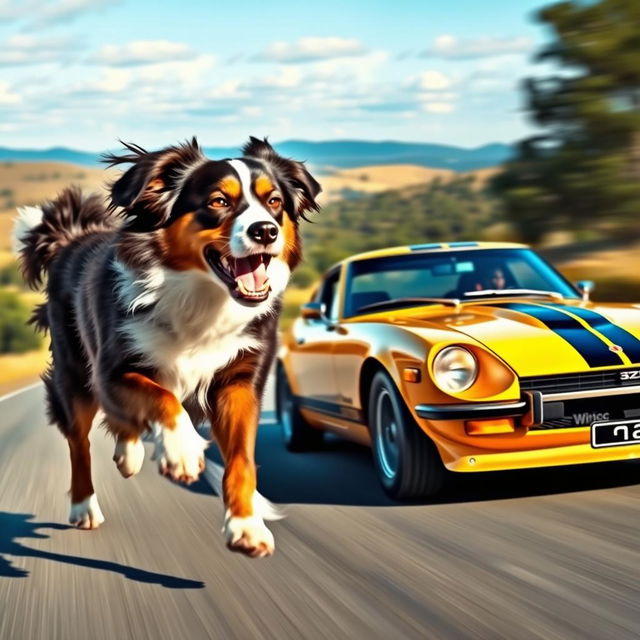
329	295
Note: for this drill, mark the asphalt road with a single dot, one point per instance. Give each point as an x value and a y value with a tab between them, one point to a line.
536	554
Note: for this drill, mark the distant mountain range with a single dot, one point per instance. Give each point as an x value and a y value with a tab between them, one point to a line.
339	154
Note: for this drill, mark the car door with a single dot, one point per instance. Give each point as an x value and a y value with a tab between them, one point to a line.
311	355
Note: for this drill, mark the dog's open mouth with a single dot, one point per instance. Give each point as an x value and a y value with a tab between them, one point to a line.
246	277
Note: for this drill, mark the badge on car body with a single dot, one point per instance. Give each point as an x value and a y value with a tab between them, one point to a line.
630	377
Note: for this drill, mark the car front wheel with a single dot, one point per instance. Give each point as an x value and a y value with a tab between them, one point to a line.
297	434
407	461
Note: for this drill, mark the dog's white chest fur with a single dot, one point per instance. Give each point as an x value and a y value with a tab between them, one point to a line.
186	367
194	329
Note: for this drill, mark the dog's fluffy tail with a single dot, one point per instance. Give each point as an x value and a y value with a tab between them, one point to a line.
41	232
214	473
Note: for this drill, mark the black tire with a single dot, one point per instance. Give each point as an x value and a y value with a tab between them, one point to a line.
407	461
297	433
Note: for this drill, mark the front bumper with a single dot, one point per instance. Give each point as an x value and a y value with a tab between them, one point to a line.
473	411
481	460
529	409
536	440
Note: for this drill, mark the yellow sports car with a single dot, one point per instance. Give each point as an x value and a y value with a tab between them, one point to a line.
465	356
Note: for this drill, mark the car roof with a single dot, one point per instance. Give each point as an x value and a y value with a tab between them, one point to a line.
432	247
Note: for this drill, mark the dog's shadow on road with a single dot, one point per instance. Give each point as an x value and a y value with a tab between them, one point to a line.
16	526
342	473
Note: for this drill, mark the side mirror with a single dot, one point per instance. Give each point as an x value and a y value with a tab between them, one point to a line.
585	287
313	311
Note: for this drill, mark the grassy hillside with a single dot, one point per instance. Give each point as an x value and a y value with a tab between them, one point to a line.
441	210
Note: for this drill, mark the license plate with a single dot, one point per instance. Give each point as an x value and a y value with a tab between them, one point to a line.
614	434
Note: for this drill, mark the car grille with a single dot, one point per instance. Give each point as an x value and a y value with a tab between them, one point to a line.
581	412
572	382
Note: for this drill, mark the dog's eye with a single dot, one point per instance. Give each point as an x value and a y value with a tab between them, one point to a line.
275	202
218	203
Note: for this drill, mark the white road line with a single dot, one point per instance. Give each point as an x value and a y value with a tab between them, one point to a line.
19	391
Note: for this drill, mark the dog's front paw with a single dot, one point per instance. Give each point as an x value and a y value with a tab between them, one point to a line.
128	456
180	451
249	536
86	514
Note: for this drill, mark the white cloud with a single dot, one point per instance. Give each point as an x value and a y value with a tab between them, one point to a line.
113	81
287	78
228	90
451	48
142	52
183	73
310	49
24	50
12	9
433	81
361	68
252	111
438	107
42	13
7	96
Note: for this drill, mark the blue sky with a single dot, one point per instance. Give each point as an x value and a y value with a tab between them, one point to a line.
83	73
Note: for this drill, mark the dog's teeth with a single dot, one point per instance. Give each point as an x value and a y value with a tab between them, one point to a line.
251	293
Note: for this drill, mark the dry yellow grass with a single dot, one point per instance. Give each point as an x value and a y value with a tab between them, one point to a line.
374	179
21	369
378	178
612	262
26	183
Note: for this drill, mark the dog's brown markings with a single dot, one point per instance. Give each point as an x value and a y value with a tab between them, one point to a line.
263	186
234	421
155	185
230	187
291	253
147	401
186	239
78	438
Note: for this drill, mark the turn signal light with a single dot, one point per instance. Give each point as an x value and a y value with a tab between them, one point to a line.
489	427
411	374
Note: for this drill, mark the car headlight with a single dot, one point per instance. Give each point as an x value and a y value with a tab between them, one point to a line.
455	369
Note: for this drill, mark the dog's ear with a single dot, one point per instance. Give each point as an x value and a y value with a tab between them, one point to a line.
146	189
302	186
131	185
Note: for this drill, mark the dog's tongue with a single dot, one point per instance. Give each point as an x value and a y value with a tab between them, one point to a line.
252	271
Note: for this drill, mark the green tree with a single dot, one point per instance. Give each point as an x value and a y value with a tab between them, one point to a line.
15	335
583	170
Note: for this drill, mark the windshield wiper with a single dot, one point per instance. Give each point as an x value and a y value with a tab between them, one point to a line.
454	302
487	293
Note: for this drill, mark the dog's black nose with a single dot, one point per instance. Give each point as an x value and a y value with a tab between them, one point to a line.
263	232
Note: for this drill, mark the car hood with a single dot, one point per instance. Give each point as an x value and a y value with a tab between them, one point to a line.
544	338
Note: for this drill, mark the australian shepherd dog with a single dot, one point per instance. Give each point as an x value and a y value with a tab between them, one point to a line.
162	307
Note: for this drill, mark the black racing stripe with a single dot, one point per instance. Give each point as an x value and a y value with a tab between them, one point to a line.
594	350
629	343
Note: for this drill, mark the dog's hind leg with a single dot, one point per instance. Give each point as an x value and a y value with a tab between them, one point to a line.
85	511
74	415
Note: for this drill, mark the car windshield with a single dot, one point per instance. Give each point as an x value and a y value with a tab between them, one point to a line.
465	275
